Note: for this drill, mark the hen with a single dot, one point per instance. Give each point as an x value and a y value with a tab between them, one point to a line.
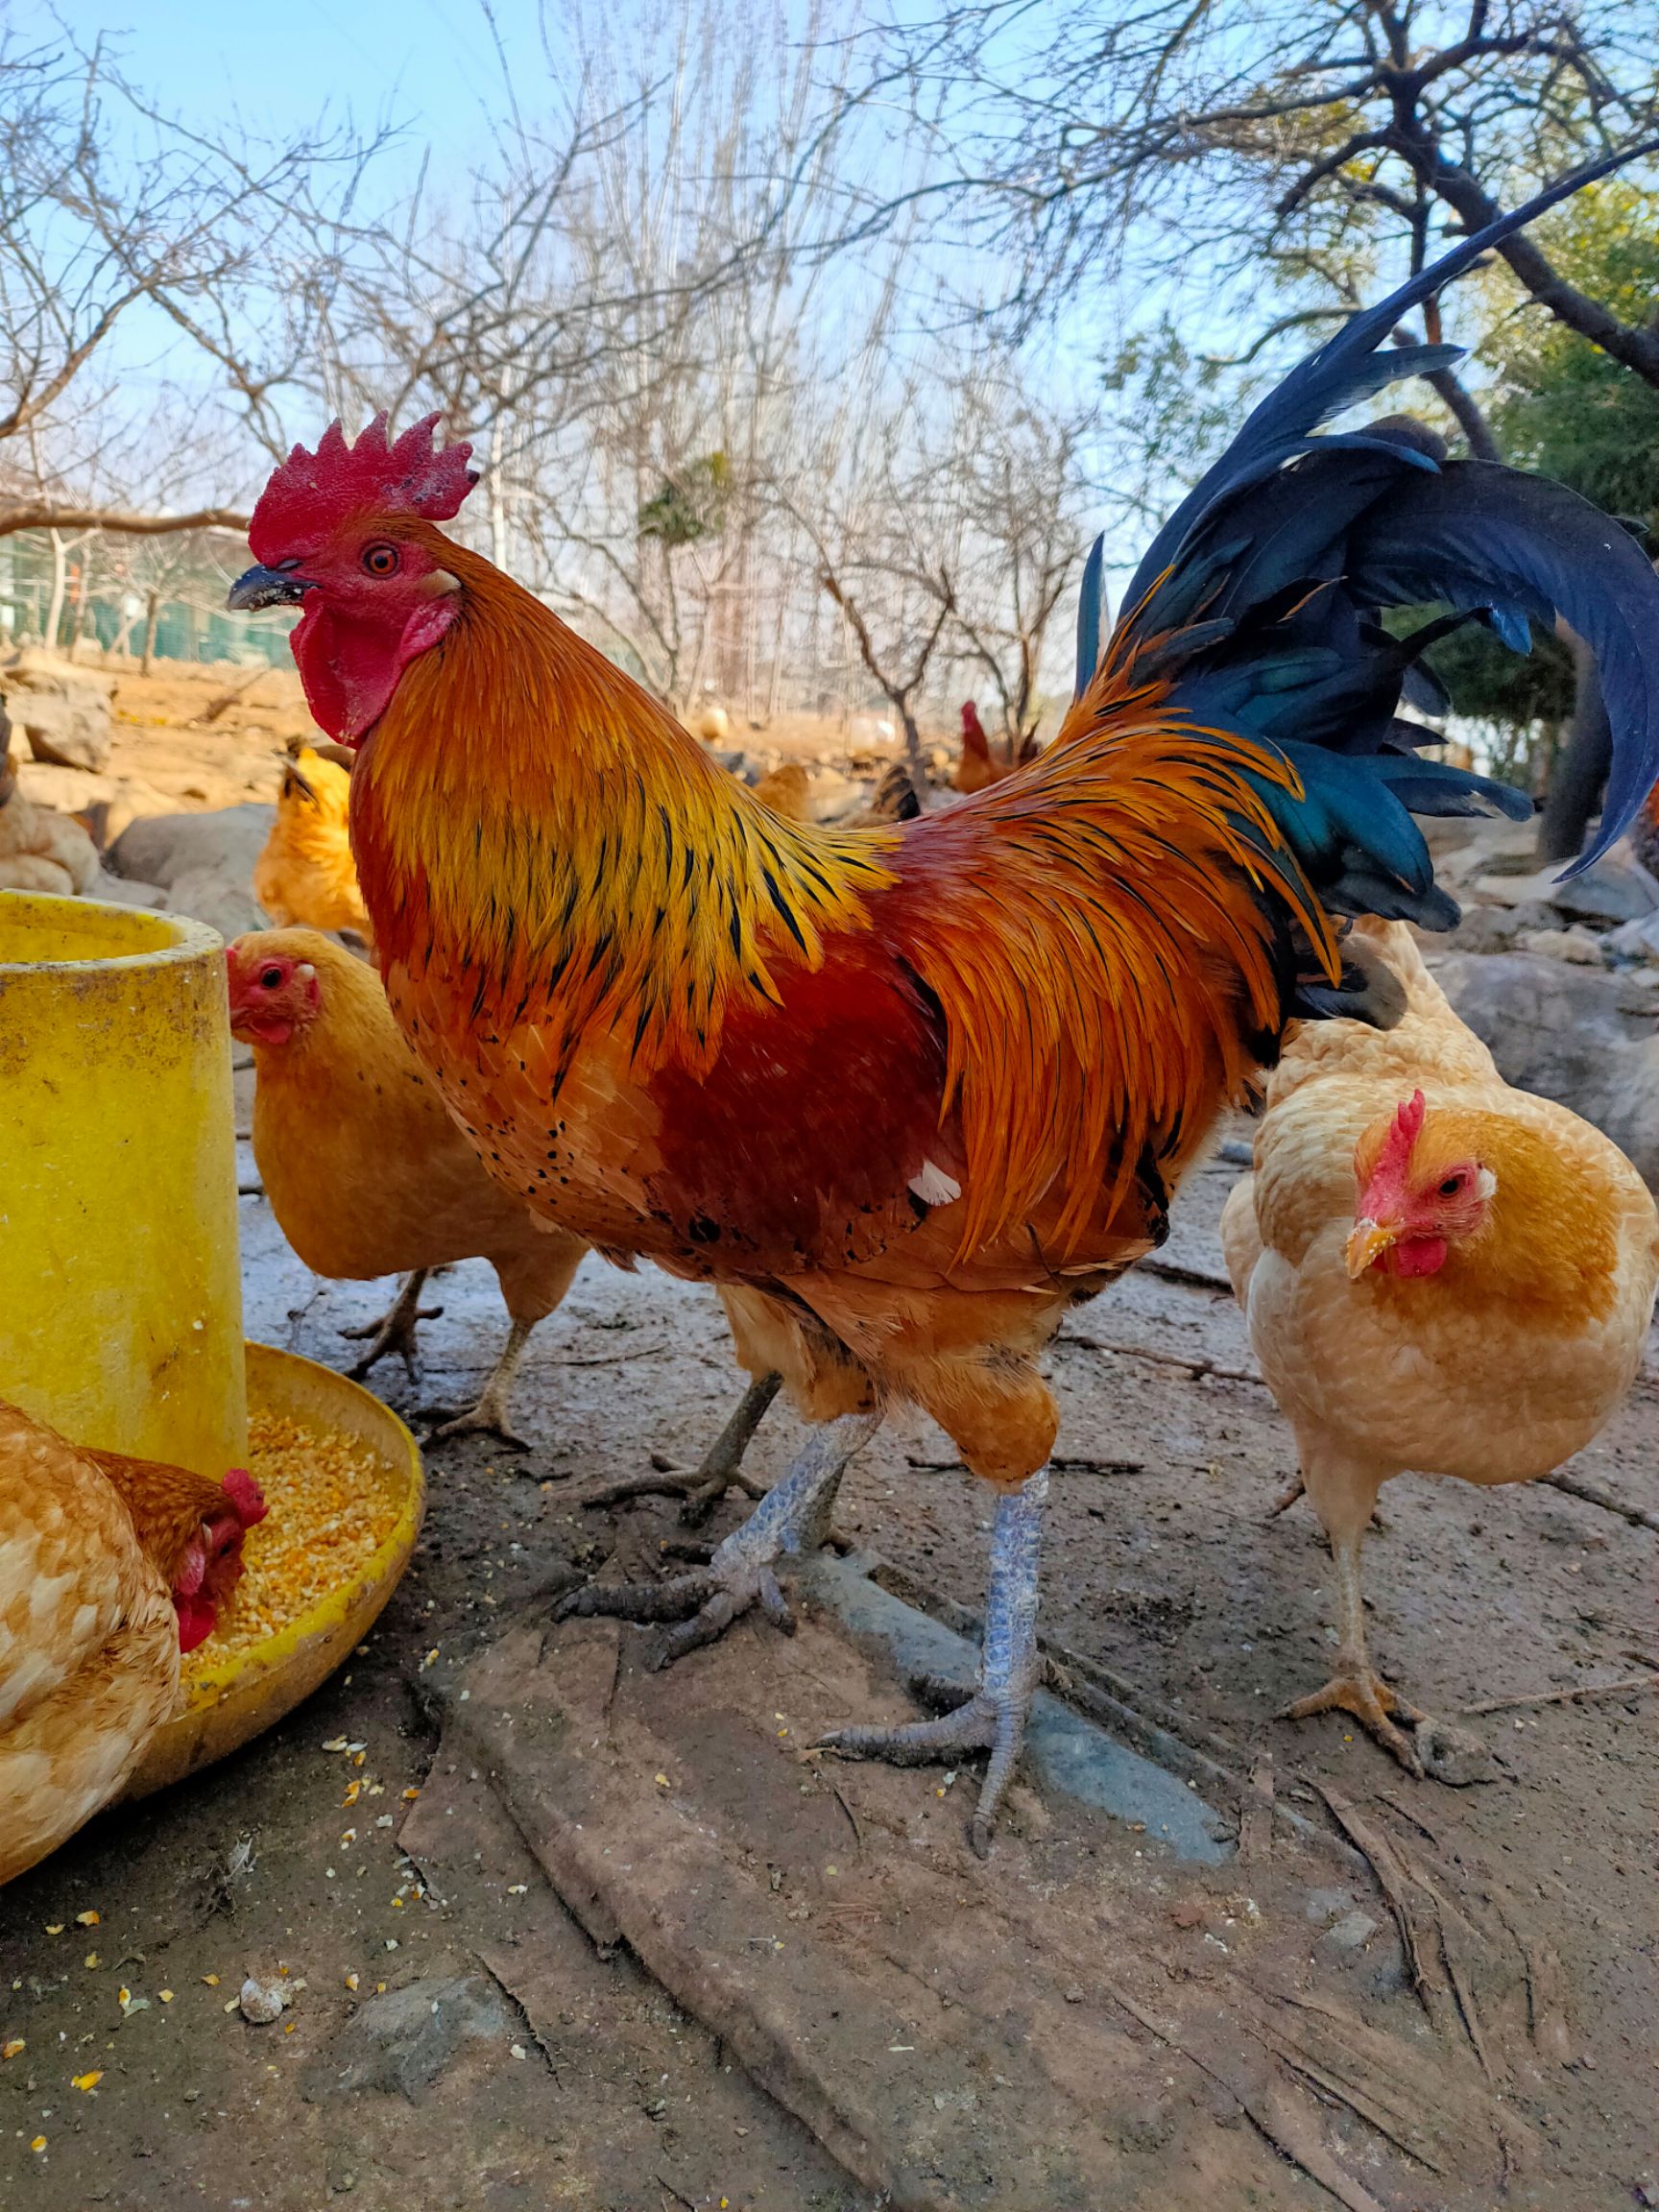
305	876
363	1167
1440	1274
908	1093
109	1567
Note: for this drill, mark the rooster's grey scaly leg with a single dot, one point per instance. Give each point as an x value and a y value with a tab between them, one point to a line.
792	1519
1010	1667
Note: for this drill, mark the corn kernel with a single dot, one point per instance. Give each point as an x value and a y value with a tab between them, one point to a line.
87	1919
12	2049
86	2082
332	1500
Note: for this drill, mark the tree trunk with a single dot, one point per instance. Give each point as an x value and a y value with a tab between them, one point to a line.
1580	774
151	617
913	748
55	605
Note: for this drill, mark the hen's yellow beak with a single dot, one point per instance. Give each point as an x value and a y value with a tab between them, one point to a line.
1367	1246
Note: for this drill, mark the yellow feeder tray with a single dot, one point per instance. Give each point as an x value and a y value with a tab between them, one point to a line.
231	1704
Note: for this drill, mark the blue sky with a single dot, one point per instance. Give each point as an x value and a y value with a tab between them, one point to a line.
426	66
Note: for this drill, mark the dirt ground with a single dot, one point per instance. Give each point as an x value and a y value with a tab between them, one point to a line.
1165	1569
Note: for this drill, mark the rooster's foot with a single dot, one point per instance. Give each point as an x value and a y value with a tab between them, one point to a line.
993	1720
396	1329
1010	1667
790	1520
1360	1690
722	1467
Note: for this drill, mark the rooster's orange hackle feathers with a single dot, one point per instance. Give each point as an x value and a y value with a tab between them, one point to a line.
1090	931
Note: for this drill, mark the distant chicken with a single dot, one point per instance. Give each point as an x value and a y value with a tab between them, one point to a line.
1645	833
305	874
365	1172
109	1568
788	791
980	767
1441	1273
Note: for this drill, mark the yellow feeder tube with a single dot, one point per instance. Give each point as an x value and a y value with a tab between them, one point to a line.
120	1285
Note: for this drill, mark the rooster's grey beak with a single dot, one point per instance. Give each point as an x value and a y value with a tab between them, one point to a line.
267	588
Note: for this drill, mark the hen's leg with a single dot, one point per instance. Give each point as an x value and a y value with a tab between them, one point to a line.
489	1417
791	1519
722	1466
394	1330
1343	1497
1010	1666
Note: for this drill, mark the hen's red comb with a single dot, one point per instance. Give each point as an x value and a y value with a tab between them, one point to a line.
246	1497
311	492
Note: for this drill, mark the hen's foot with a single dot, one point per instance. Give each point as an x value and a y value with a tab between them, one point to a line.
394	1330
1360	1690
790	1519
485	1419
1010	1666
722	1467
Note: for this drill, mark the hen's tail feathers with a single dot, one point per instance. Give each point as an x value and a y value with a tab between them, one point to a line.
1260	607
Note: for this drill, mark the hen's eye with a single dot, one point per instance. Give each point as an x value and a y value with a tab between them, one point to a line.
382	560
1451	1186
270	980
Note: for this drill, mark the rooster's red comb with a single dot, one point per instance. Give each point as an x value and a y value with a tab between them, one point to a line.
311	492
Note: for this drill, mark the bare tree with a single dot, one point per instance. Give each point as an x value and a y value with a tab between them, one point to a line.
1316	148
113	214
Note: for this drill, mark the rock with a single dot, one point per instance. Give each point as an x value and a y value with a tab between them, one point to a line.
262	2001
404	2040
123	799
165	847
1328	1904
1589	1041
1637	940
124	891
1617	889
1578	947
62	711
218	896
1351	1933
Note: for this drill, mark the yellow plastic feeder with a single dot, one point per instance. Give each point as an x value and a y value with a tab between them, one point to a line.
120	1276
120	1284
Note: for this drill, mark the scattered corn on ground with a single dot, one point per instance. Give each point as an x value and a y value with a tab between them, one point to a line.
333	1503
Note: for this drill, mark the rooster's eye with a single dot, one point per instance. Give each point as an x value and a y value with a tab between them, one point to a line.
380	560
270	980
1451	1186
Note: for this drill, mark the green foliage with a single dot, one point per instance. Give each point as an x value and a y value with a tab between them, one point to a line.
1569	411
690	506
1566	408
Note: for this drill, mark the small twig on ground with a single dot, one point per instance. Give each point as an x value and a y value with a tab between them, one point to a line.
1061	1464
1256	1814
1196	1368
1562	1697
1593	1494
1172	1271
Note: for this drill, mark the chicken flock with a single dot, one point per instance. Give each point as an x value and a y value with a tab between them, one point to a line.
905	1091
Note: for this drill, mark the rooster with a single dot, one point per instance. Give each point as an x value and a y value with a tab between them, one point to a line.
110	1567
1441	1273
910	1092
304	875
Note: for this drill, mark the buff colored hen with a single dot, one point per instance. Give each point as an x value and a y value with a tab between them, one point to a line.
1440	1274
304	876
109	1566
